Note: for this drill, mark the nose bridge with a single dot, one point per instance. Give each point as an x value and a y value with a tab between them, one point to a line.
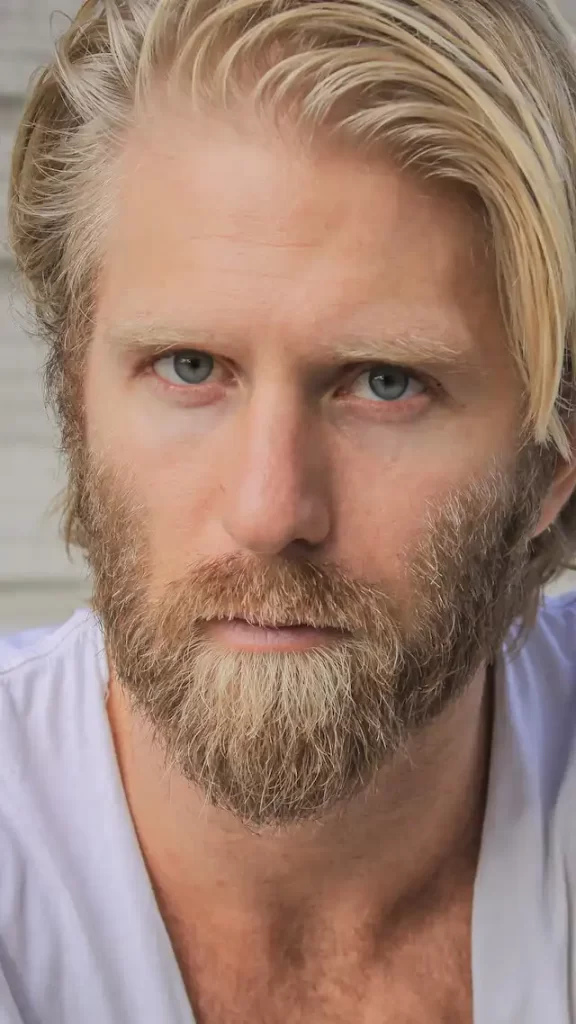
277	491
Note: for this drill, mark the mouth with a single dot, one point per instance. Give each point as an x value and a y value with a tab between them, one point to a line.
252	635
259	624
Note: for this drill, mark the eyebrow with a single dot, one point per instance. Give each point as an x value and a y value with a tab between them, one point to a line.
435	346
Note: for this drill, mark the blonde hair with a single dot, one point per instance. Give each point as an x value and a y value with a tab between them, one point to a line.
480	93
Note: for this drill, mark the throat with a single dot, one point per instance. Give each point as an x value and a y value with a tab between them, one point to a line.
416	966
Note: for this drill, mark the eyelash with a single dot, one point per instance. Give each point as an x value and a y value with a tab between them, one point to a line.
351	372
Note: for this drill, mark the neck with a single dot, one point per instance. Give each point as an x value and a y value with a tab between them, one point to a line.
415	832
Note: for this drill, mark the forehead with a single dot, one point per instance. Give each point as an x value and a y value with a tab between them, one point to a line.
234	229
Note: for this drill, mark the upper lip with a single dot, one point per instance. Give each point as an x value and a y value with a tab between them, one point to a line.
270	625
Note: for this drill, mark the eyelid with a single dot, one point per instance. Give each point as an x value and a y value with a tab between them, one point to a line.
143	367
350	371
148	362
429	383
155	355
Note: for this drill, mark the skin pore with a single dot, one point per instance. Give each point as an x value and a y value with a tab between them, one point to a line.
297	275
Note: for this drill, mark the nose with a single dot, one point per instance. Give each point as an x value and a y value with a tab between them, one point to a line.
276	495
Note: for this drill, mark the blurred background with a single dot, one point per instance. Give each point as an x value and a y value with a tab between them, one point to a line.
38	585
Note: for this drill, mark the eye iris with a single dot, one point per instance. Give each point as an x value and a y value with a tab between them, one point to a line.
390	383
193	367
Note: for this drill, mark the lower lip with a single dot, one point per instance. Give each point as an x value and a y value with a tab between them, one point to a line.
243	636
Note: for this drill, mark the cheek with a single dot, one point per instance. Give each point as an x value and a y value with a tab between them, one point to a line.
179	494
181	490
170	485
164	455
384	505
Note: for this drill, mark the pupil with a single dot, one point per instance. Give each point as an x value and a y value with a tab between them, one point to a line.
390	383
194	367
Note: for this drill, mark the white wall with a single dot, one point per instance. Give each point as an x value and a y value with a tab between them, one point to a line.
37	584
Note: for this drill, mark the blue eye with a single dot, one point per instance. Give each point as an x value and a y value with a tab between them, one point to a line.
186	367
389	383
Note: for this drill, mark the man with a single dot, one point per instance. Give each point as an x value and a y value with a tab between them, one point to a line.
307	276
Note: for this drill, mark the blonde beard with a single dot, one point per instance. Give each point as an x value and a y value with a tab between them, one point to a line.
272	736
279	738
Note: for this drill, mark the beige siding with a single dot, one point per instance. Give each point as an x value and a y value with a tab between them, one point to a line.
37	584
27	28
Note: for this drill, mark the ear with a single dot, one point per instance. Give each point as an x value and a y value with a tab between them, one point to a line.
560	490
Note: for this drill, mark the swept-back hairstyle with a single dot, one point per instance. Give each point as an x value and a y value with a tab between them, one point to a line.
480	93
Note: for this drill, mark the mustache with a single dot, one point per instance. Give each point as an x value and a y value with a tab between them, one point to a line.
276	593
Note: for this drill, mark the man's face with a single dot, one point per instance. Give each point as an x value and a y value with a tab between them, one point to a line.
299	407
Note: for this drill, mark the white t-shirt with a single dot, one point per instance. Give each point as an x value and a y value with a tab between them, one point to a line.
81	937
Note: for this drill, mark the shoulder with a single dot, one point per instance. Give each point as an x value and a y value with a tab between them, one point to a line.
28	645
53	742
525	905
546	661
37	654
48	677
556	626
537	716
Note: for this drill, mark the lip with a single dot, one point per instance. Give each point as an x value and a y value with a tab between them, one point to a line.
241	635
